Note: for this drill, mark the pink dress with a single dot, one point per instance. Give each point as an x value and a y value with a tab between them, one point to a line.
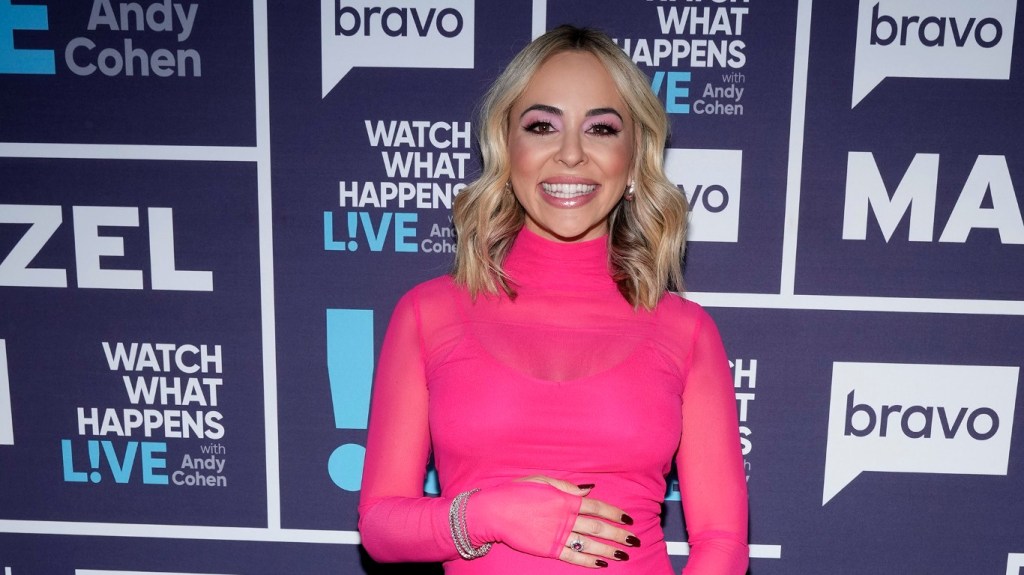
567	381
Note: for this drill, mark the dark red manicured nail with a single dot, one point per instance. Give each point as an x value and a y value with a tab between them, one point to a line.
586	485
632	541
601	563
621	555
627	519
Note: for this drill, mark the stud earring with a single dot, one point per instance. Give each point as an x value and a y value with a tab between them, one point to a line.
630	192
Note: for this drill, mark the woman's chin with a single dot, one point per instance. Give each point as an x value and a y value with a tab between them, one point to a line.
569	233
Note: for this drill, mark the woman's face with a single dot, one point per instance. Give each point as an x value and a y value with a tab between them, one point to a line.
570	144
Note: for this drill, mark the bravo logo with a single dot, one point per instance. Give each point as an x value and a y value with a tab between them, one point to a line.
393	34
711	181
968	39
918	418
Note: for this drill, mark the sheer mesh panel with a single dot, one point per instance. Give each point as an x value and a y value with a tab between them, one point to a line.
568	381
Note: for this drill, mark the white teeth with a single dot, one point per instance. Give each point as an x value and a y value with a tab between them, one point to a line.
568	190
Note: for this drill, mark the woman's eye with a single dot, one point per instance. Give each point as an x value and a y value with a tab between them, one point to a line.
540	127
604	130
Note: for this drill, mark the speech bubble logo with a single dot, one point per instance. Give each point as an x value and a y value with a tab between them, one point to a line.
932	39
918	418
393	34
711	182
1014	563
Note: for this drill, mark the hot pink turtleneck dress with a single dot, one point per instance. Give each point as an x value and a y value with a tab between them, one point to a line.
566	381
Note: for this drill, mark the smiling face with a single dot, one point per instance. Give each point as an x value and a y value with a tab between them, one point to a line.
570	146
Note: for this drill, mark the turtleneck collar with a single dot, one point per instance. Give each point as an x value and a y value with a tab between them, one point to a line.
535	261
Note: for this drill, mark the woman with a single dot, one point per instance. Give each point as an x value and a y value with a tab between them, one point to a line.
553	376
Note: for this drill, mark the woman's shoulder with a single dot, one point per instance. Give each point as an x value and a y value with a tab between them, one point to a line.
434	294
675	308
683	320
441	286
433	308
682	324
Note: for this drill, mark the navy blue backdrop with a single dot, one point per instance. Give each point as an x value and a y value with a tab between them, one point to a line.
209	209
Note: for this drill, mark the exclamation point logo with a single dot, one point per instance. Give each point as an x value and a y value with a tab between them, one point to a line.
332	244
350	370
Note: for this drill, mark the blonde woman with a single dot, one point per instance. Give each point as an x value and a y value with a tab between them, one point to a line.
553	376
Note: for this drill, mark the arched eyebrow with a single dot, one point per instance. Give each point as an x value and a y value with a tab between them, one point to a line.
543	108
603	111
558	112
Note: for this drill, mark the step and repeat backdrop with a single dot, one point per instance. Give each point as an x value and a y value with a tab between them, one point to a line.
208	210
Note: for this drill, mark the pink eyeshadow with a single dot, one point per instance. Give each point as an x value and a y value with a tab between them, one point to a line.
538	116
606	119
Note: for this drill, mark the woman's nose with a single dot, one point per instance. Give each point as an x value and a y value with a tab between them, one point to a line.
571	153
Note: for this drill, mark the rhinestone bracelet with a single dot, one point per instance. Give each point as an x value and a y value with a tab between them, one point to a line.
457	521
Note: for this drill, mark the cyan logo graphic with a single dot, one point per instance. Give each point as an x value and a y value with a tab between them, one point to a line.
350	370
673	88
13	60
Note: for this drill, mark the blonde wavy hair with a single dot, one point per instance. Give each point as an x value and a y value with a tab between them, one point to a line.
646	236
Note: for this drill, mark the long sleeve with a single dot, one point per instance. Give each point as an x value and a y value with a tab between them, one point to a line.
396	521
712	484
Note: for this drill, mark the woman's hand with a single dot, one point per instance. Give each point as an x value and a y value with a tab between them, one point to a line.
587	545
550	517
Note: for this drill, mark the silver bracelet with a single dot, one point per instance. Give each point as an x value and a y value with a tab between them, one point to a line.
457	521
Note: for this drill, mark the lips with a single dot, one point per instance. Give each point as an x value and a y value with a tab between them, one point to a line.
565	191
568	191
